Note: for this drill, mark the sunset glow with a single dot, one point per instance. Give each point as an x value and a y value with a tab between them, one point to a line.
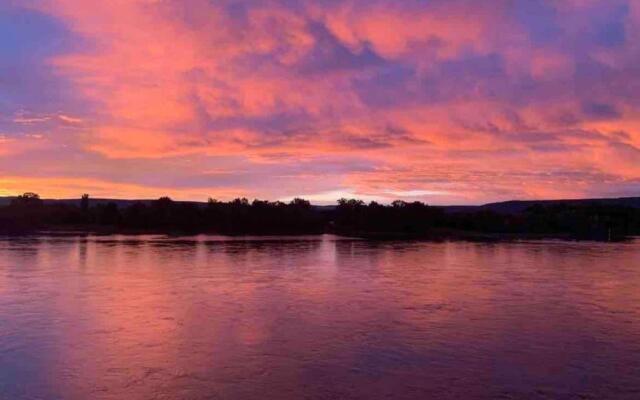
443	101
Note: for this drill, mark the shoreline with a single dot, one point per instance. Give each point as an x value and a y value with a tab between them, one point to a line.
436	235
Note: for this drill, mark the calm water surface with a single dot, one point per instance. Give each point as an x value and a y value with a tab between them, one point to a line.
317	318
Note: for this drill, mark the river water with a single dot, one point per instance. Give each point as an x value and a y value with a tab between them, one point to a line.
151	317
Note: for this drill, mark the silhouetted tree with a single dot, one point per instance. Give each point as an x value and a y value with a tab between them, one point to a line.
84	203
27	199
301	203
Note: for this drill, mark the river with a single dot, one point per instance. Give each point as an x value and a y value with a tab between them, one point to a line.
319	317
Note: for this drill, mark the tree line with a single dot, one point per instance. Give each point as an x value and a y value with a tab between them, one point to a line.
29	213
591	220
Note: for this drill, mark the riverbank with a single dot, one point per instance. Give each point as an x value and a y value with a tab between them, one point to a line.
433	235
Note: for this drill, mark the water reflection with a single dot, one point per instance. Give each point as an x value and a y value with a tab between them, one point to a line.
316	317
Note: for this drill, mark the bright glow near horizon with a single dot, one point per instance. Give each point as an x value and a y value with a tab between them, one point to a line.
444	101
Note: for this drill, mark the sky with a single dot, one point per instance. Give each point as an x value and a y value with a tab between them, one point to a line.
441	101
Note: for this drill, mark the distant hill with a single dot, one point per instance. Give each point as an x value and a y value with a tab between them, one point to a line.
518	206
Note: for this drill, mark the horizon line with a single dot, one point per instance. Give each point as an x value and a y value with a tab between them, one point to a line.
328	203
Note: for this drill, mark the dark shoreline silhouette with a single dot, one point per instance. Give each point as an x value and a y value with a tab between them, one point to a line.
592	219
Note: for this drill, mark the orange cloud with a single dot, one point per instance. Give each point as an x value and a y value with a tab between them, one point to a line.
472	100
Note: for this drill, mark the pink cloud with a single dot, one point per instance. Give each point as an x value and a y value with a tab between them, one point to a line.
467	99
